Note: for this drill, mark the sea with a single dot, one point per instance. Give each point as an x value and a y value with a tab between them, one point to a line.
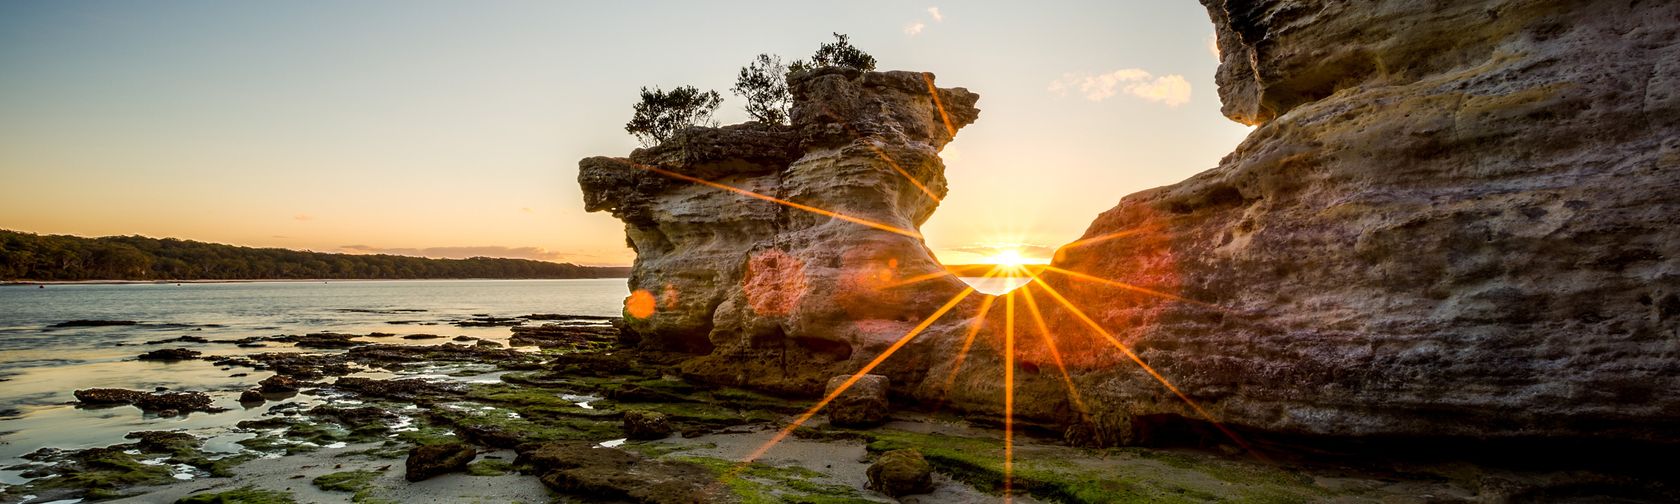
41	365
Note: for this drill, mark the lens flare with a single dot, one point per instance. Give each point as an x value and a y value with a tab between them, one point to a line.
855	377
1055	353
1008	396
779	201
1099	330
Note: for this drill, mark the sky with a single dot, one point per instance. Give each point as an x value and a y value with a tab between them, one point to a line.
453	129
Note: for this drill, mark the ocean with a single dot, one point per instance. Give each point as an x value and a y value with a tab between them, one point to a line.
40	365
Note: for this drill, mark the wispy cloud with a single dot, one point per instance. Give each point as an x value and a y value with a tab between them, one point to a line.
303	217
1029	250
526	210
536	253
1171	89
915	28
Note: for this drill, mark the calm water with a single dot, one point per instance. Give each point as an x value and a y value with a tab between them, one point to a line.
40	366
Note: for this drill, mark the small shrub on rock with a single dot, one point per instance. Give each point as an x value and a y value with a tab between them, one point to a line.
662	114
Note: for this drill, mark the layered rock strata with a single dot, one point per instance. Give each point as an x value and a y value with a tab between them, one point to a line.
1454	219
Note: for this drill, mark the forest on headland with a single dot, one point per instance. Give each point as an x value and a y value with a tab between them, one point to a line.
29	256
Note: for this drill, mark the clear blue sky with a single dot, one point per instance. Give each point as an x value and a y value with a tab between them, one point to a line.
454	128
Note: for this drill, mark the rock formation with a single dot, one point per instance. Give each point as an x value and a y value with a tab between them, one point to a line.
771	294
1454	220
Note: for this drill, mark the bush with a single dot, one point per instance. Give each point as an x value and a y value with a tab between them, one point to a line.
839	53
763	83
662	114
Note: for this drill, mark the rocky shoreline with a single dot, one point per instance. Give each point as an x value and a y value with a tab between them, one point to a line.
577	417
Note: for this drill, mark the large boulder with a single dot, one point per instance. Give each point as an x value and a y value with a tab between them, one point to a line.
640	424
582	468
901	472
426	461
863	404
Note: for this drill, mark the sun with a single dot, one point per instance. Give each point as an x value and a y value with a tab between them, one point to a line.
1008	258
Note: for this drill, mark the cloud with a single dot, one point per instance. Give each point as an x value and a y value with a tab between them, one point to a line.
915	27
526	209
991	249
1213	45
1171	90
536	253
303	217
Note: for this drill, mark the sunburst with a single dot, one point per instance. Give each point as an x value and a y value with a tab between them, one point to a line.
1007	262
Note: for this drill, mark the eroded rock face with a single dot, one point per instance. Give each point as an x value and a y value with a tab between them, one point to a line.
773	295
1454	219
863	403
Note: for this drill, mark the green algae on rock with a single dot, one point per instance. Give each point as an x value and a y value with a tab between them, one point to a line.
243	495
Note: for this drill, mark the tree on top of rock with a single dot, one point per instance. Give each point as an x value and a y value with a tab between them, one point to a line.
662	114
839	53
763	83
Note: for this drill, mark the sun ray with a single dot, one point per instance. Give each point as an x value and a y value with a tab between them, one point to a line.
968	342
901	171
884	157
856	376
1130	287
920	278
1055	353
934	92
1098	328
779	201
1008	395
1100	238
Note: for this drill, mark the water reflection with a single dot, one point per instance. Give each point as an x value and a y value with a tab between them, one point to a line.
995	285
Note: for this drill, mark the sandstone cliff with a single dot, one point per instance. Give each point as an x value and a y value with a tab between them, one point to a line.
769	294
1454	219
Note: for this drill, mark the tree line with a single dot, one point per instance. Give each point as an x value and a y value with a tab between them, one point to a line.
28	256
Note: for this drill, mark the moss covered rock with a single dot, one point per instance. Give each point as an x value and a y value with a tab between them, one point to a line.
901	472
640	424
431	460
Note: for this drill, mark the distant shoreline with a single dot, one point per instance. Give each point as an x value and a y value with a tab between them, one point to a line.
267	280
